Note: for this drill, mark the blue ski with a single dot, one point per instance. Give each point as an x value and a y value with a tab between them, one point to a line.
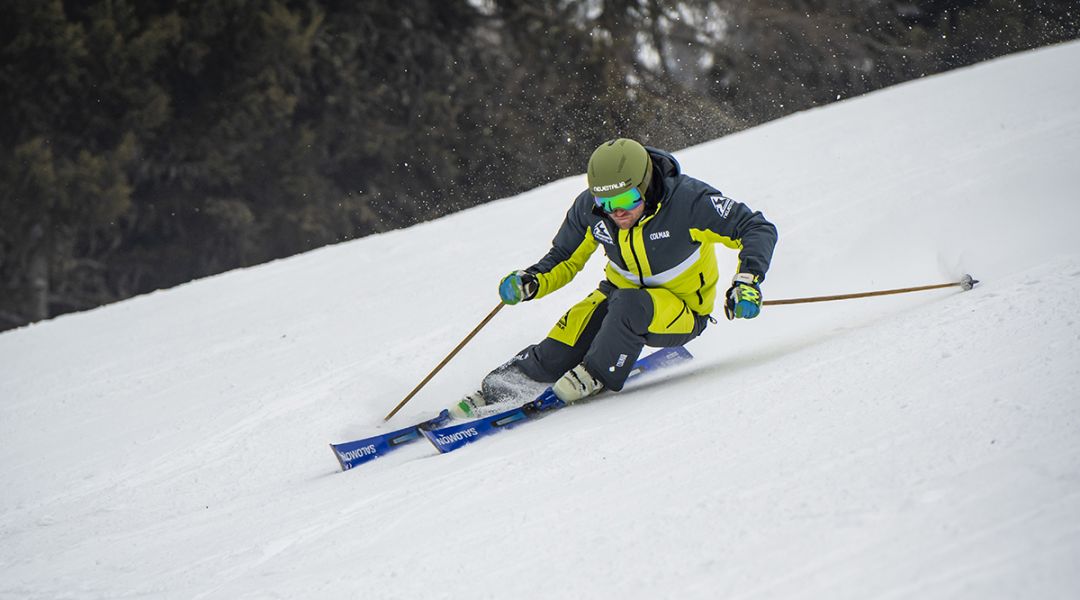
447	438
351	454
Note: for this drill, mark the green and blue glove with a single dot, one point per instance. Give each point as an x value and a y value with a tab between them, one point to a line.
743	297
518	287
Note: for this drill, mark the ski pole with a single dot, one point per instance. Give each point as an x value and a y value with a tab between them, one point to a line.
966	283
444	361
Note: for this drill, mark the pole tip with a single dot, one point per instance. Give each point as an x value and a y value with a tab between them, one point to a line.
967	283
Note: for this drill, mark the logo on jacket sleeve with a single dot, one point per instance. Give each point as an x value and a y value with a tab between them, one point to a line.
600	232
722	204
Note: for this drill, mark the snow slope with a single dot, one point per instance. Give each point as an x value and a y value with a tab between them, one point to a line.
918	446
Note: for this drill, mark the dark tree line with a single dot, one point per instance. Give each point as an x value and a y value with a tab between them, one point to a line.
144	143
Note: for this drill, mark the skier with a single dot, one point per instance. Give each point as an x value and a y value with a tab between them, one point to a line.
657	227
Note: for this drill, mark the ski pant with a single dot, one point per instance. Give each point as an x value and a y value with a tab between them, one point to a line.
606	332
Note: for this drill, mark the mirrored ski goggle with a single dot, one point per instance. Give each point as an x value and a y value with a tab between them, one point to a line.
628	200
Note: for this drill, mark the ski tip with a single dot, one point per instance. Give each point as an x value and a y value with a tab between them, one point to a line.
967	283
337	455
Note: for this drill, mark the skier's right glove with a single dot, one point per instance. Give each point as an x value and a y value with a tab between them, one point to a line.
518	287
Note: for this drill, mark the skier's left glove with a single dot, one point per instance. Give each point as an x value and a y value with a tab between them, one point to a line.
518	287
743	297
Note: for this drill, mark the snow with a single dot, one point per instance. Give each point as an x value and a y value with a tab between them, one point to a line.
916	446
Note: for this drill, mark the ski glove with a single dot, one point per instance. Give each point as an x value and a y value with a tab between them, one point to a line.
743	297
518	286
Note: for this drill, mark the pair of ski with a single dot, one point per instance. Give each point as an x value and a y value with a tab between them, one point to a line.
447	436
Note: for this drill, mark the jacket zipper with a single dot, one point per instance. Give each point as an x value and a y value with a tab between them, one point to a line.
701	276
633	251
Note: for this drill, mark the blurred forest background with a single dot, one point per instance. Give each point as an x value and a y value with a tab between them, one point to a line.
145	143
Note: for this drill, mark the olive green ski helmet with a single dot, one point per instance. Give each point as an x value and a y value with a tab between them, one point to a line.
617	166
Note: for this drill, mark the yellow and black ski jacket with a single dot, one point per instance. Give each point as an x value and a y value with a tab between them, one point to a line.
670	247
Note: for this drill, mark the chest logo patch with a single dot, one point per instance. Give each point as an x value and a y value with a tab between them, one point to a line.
722	204
659	235
601	233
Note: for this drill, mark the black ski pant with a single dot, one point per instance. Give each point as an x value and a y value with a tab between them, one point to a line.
606	332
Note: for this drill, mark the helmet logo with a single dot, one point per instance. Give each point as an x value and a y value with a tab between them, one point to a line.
613	186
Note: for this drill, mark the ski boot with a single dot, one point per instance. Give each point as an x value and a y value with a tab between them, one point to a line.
576	384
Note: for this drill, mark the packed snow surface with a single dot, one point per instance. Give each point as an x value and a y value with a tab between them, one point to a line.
916	446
